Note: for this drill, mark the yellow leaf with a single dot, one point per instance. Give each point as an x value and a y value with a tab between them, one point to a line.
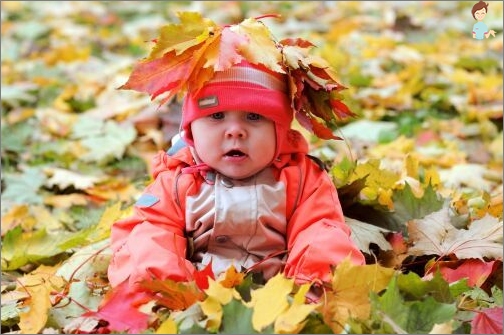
109	216
39	284
220	293
375	177
192	30
432	176
167	327
385	198
270	301
291	321
300	296
17	215
443	328
213	310
261	47
351	285
411	164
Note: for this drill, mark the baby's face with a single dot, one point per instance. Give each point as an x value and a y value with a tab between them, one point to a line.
237	144
480	14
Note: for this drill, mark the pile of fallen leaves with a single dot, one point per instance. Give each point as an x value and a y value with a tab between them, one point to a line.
419	172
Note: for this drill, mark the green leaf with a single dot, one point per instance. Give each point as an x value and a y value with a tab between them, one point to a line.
22	188
423	315
10	314
408	207
15	137
105	141
236	318
416	287
20	248
397	315
315	325
459	287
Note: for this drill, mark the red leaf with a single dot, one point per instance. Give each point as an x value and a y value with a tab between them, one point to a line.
201	277
120	309
340	109
322	131
487	321
475	270
397	242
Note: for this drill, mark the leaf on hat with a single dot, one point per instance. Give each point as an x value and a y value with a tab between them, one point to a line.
187	55
261	48
227	54
313	85
192	30
159	75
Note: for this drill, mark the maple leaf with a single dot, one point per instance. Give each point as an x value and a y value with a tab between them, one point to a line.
217	295
120	308
476	271
201	277
261	47
192	30
435	235
232	277
487	321
159	75
172	294
363	234
349	297
270	301
398	315
20	248
293	320
64	178
39	284
228	55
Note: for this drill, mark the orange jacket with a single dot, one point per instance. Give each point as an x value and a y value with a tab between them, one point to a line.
153	242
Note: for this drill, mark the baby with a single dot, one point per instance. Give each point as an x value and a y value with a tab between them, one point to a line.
243	191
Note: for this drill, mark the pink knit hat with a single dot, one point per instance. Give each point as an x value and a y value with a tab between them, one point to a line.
243	87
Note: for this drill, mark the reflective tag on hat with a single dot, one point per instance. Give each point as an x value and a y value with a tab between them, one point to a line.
146	200
207	102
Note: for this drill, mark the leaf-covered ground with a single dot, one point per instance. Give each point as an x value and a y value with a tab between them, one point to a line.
419	172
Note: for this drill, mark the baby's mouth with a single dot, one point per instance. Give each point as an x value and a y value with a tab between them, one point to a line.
234	153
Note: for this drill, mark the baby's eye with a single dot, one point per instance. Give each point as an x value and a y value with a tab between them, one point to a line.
253	116
217	116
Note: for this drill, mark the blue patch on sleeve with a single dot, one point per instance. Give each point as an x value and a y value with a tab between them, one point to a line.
146	200
176	147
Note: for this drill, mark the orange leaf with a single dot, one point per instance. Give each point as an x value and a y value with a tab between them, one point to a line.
163	74
174	295
232	278
300	42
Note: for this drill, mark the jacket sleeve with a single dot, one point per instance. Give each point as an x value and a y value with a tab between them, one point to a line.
317	236
151	243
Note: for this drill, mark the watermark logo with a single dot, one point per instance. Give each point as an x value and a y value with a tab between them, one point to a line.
480	30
